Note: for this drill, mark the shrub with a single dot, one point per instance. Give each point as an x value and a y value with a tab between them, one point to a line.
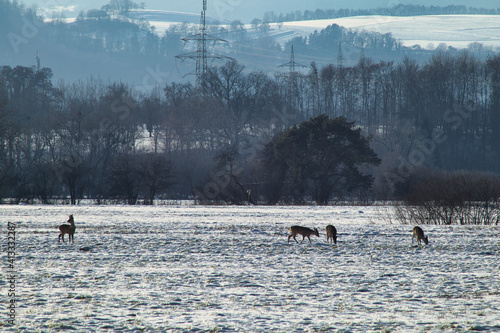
451	198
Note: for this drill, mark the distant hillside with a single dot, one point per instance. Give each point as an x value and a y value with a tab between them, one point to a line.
141	49
454	30
480	33
397	10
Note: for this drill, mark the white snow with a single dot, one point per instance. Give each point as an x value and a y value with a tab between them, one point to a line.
207	268
454	30
428	31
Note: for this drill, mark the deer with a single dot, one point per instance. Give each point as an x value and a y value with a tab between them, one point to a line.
419	233
68	229
331	233
305	232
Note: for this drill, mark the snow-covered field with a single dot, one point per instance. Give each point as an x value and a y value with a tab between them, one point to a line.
427	31
197	268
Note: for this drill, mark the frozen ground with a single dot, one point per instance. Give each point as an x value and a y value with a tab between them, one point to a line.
192	268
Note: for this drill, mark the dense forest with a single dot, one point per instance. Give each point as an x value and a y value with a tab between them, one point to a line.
92	139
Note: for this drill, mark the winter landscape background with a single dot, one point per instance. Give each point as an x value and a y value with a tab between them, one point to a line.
419	107
66	46
95	107
184	268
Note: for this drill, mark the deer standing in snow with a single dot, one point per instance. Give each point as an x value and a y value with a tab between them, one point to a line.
68	229
419	233
305	232
331	233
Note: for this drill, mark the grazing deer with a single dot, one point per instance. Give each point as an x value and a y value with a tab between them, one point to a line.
68	229
419	233
331	233
305	232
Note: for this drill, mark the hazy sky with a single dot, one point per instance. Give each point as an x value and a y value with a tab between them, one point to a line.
246	10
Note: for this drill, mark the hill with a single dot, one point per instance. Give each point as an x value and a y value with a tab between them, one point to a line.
417	35
141	49
457	31
428	31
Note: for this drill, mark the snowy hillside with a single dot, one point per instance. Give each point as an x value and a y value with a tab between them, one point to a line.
427	31
454	30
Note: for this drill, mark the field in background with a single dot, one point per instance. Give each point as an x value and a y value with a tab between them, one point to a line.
428	31
196	268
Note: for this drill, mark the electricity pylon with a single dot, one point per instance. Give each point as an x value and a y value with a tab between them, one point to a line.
340	56
201	55
292	79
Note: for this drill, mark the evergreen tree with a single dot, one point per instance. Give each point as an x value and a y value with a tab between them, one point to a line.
323	158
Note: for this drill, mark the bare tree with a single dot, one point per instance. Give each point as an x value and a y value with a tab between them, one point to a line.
156	172
123	180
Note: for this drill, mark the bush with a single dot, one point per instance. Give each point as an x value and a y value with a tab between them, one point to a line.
451	198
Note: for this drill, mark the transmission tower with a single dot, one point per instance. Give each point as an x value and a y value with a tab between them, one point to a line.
340	56
201	55
362	53
292	74
292	64
37	61
291	79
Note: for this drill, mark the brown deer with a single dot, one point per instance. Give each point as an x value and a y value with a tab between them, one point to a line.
305	232
331	233
419	233
68	229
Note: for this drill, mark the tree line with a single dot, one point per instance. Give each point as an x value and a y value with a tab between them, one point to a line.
396	10
225	140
